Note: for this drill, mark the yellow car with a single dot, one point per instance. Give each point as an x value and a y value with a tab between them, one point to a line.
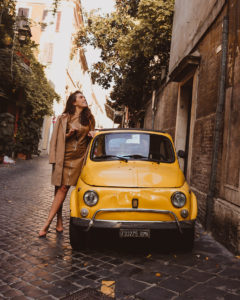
131	184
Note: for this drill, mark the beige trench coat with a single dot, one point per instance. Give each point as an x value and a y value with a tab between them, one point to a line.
57	149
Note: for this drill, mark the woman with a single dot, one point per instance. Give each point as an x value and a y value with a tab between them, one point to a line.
68	145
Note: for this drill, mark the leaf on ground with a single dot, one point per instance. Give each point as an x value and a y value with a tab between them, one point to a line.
149	255
206	258
108	283
158	275
238	256
108	288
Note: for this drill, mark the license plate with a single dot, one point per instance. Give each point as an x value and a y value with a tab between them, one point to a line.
134	233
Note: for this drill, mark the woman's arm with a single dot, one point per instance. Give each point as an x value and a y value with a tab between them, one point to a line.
92	124
92	128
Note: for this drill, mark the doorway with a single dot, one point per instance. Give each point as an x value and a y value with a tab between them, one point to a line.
183	123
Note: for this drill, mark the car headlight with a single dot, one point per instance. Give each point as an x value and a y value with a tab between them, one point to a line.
178	199
90	198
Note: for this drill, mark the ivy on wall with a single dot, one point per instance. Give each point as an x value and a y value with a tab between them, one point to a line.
23	80
37	98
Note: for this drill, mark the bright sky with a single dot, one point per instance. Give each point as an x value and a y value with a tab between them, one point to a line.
92	55
106	6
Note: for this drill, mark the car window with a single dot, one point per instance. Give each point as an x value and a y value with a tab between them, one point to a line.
133	146
161	148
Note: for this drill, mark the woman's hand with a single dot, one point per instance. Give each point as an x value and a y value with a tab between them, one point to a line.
71	132
92	133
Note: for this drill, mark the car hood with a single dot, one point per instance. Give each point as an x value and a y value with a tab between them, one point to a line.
132	174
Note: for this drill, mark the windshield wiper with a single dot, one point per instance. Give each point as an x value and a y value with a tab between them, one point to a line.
112	156
135	156
141	156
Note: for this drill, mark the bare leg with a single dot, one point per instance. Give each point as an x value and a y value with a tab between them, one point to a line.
57	202
59	226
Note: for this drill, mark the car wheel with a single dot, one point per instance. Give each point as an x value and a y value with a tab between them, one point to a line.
78	238
187	239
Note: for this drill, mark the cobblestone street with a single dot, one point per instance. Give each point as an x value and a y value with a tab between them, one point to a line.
47	268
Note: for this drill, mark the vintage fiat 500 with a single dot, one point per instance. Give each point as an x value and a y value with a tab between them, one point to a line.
131	183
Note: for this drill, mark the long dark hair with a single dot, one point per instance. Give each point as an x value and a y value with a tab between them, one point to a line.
86	117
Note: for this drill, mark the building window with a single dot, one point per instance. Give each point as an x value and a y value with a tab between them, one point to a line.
43	23
59	14
45	13
23	12
47	53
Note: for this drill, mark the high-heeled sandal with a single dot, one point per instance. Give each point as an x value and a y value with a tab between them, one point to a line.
44	235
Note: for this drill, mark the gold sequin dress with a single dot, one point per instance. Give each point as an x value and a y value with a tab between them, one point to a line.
75	148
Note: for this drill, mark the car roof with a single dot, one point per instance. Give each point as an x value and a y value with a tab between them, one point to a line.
109	130
130	129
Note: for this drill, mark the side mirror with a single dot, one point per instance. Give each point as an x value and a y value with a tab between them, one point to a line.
181	154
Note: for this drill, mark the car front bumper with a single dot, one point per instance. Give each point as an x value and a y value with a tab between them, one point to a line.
86	224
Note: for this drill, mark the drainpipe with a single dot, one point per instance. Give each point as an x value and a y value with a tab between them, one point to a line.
113	118
153	107
218	126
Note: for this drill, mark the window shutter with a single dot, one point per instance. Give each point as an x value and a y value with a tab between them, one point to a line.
59	14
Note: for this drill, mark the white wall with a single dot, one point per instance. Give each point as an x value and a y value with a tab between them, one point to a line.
191	20
62	43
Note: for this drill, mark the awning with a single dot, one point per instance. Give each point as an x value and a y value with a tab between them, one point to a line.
188	64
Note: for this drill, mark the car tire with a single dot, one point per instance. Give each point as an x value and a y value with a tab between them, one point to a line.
187	239
78	237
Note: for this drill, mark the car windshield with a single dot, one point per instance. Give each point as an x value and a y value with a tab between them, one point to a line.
132	146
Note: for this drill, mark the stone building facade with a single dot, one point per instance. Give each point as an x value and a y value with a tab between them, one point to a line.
187	106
